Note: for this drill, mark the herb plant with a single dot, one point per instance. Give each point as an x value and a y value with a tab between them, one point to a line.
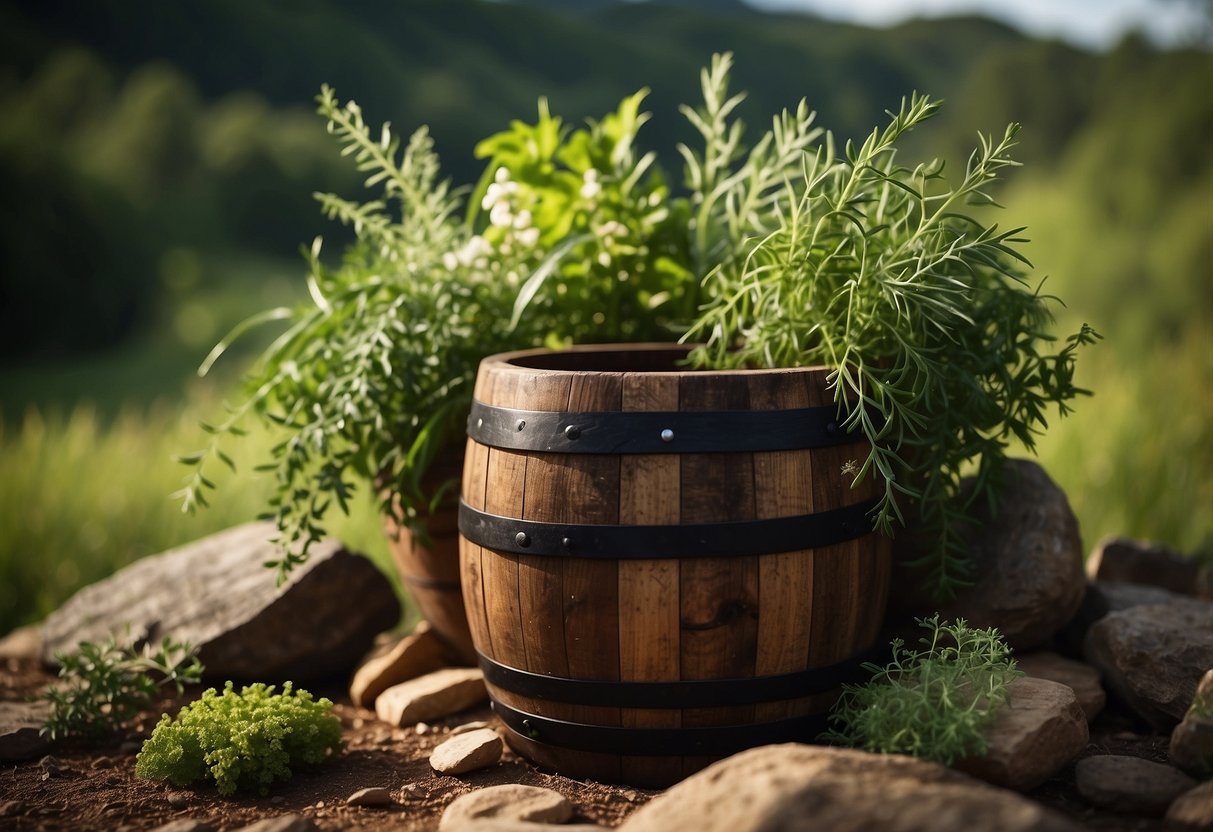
933	703
243	741
786	252
921	309
104	685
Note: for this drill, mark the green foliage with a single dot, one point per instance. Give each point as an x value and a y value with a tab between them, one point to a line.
103	686
923	312
243	741
932	703
372	378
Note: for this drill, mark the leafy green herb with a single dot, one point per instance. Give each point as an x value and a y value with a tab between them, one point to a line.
922	311
104	686
242	741
933	703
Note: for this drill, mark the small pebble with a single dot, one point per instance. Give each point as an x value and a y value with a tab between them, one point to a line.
178	800
277	799
469	726
371	796
423	728
412	791
467	752
319	804
103	762
359	722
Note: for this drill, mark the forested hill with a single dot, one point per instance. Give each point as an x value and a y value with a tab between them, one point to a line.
138	128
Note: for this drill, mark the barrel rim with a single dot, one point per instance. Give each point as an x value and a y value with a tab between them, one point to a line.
515	362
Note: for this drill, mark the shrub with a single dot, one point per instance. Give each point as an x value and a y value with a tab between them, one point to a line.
243	741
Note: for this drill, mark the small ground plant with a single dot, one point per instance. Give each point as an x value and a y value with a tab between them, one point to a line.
243	741
933	703
105	685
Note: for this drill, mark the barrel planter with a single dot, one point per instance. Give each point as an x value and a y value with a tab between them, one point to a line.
428	563
662	566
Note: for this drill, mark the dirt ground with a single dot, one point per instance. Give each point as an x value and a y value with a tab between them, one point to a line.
94	787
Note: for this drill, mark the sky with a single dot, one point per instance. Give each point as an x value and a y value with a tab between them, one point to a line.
1096	24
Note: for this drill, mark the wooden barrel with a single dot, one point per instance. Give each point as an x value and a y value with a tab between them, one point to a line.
662	567
428	564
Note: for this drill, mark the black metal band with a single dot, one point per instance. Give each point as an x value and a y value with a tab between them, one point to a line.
698	693
659	742
698	540
653	432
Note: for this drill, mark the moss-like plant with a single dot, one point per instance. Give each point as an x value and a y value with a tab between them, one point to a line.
933	703
243	741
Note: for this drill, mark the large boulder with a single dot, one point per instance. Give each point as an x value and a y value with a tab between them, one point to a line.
217	594
1152	656
1029	578
797	788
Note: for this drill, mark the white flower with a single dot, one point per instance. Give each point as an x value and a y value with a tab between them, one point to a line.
611	229
590	186
500	216
523	220
604	259
528	237
502	175
450	261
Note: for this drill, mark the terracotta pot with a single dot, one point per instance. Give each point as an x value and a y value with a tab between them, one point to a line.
428	564
662	567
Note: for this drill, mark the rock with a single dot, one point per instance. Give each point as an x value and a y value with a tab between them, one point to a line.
178	800
1193	809
1152	657
1028	559
1034	735
1122	595
22	643
495	825
507	802
1079	677
372	796
282	823
185	825
801	787
1139	562
1192	739
20	723
433	696
469	726
1130	784
467	752
216	594
414	655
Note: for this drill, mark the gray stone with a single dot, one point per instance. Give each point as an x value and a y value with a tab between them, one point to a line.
1192	739
798	788
283	823
1029	578
1034	735
1193	809
178	800
414	655
467	752
22	643
509	802
1078	676
1141	562
372	796
1130	784
217	594
20	723
1151	657
433	696
1124	595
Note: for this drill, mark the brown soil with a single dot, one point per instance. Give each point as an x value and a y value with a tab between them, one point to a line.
94	787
